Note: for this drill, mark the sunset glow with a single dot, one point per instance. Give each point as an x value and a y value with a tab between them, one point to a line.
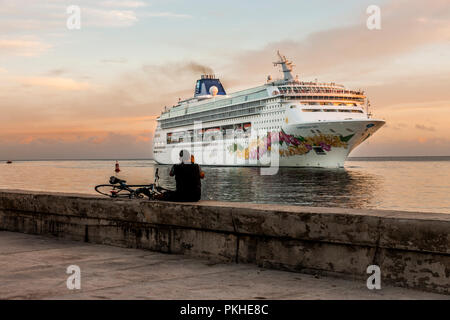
96	92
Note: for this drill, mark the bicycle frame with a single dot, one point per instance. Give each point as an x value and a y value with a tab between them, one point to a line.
134	190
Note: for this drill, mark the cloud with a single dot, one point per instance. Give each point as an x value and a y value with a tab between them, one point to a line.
353	48
123	4
106	145
19	16
423	127
108	18
414	146
47	116
119	60
22	47
166	15
56	114
57	72
56	83
118	17
423	93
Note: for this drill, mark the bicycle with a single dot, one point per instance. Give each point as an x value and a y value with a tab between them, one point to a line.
119	189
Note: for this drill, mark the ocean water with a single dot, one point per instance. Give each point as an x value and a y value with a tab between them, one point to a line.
411	184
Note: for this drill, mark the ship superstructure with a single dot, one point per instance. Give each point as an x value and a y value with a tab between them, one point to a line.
304	123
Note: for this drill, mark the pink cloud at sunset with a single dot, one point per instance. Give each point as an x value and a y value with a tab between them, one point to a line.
54	83
97	92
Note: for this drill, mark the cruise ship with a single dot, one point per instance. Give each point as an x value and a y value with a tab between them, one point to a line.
284	122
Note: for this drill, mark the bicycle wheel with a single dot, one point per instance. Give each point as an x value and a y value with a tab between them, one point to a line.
113	191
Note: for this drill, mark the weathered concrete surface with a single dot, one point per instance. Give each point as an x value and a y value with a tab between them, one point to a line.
412	249
34	267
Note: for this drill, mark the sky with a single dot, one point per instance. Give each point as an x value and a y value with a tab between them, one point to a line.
95	92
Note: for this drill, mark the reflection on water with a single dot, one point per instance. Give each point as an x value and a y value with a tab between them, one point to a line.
312	187
399	185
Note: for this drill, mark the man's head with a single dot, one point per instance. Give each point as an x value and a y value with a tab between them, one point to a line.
185	157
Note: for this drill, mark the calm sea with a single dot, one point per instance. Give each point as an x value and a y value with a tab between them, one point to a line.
412	184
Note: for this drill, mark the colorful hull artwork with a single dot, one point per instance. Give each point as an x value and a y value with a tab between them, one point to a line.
289	145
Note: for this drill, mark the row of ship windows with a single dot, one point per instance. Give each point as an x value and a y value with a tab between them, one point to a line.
217	137
181	121
212	112
232	122
269	121
272	107
211	132
224	113
332	110
304	110
329	104
218	116
325	98
271	115
201	115
318	89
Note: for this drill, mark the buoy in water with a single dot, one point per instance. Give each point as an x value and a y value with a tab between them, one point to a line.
117	170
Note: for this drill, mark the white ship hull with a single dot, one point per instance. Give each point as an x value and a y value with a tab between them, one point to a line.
329	146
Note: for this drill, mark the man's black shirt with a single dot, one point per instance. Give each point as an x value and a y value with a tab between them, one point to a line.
187	177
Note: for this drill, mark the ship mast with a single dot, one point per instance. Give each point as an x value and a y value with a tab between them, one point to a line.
286	66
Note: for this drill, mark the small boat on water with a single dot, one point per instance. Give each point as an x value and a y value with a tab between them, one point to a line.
9	161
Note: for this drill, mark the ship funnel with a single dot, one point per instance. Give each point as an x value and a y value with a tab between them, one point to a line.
206	83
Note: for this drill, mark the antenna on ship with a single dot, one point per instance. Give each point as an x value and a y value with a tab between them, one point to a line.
286	66
367	109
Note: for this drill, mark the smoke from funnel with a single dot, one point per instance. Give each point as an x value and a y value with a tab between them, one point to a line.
174	69
199	68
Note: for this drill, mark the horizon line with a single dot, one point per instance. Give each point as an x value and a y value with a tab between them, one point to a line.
133	159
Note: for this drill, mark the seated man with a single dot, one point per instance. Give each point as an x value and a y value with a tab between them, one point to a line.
187	176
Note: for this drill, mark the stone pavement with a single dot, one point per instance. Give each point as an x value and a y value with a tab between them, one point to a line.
34	267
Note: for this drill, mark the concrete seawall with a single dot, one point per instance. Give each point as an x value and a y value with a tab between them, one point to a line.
412	249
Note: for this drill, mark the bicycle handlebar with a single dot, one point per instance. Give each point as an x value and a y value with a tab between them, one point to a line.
115	180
